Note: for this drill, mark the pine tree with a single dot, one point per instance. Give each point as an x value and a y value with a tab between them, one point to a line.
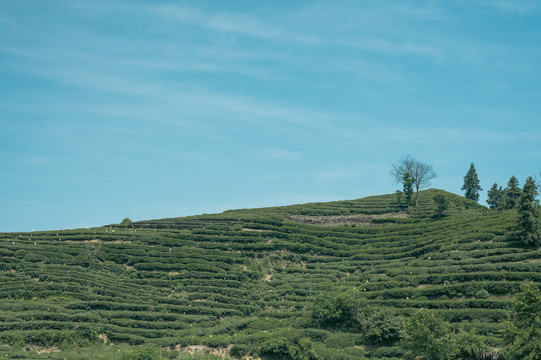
471	185
511	194
407	181
528	214
495	197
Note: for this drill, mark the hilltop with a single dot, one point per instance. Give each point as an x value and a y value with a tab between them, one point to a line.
258	281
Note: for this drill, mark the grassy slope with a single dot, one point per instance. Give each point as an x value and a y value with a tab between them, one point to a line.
244	276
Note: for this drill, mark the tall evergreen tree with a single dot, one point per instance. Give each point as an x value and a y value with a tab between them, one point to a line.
511	194
495	197
528	214
471	185
407	188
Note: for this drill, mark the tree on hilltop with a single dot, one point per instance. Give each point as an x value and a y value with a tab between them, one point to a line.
126	222
420	173
528	214
511	194
495	197
407	187
471	185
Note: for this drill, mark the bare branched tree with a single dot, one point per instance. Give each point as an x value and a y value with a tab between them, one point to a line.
421	173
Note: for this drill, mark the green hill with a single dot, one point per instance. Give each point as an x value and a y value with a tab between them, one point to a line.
258	281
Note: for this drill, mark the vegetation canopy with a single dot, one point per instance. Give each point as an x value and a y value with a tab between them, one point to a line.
409	169
471	185
336	280
528	211
523	332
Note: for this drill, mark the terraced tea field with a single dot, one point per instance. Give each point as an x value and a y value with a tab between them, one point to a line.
244	280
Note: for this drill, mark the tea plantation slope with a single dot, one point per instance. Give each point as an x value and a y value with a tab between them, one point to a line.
372	205
248	277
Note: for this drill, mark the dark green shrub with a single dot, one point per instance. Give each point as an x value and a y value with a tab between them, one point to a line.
326	353
48	338
341	340
471	344
126	222
379	324
283	348
316	335
336	308
142	353
32	257
482	294
15	339
523	333
426	336
239	350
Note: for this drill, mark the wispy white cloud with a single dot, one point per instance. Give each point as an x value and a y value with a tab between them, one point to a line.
6	22
429	10
184	104
207	65
393	47
36	159
10	203
236	23
250	26
406	135
337	174
514	7
20	51
373	71
433	135
281	154
197	157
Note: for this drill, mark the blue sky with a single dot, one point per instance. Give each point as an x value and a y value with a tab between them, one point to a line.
149	109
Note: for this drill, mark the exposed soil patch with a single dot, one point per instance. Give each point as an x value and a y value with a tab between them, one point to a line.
43	349
200	349
256	230
104	338
100	241
267	278
345	219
